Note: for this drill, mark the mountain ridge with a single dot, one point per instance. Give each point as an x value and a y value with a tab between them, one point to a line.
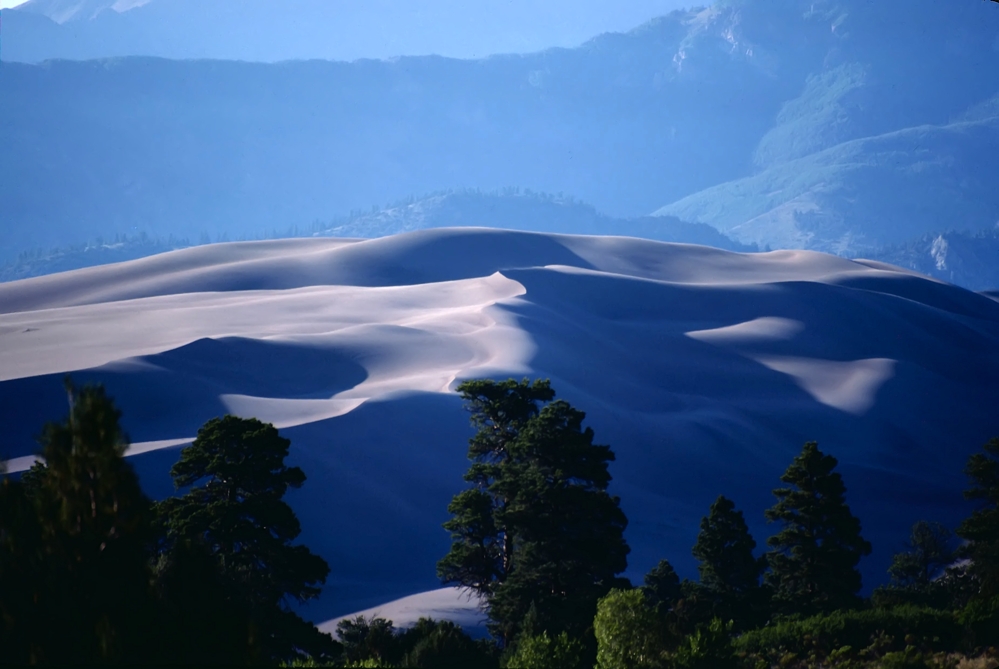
840	126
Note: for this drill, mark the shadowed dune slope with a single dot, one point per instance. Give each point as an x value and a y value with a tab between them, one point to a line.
705	370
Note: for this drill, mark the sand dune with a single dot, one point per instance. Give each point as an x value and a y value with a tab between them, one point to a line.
452	604
705	370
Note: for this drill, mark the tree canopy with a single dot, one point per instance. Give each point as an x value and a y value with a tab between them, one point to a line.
813	558
537	531
238	515
981	528
729	573
73	568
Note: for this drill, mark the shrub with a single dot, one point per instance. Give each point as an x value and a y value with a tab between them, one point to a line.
981	620
888	629
545	652
710	647
628	630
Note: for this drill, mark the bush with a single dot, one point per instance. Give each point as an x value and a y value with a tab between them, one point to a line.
544	652
710	647
981	620
887	629
628	631
443	645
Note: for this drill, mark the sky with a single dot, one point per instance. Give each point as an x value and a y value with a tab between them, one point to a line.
274	30
6	4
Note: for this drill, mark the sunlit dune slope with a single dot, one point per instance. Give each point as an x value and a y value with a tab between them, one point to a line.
705	371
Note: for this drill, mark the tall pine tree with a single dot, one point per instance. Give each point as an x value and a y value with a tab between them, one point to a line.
813	559
538	531
730	574
237	514
981	529
928	550
77	530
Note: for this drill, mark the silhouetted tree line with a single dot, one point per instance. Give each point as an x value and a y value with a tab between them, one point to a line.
93	572
538	537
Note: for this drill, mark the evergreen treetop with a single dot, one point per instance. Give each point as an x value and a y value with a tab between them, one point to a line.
729	586
981	528
724	550
928	550
238	514
537	531
73	545
813	558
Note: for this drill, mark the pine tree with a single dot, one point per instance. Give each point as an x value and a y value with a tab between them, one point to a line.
24	597
662	585
981	529
538	529
927	551
729	574
238	513
813	559
78	530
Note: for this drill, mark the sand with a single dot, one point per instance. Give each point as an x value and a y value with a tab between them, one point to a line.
705	370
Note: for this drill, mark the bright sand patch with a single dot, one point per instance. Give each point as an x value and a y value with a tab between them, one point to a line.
705	371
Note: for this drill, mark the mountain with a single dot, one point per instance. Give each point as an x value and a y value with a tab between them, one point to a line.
968	260
265	30
516	210
839	125
511	209
705	370
882	144
862	194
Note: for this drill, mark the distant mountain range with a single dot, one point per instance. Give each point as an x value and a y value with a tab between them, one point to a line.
838	125
964	259
510	210
970	260
270	30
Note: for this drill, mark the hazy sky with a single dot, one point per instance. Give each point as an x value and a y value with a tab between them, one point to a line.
273	30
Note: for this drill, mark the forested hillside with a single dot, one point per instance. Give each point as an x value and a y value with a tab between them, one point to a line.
838	125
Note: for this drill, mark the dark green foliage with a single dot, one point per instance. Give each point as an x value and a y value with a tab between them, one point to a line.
730	575
662	585
201	618
709	647
678	605
432	644
981	529
73	572
917	575
981	620
813	558
368	639
538	528
239	516
822	635
33	478
543	651
429	644
24	584
929	549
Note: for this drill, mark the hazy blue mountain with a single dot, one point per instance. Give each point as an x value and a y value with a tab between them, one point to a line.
854	112
883	143
510	210
864	193
966	259
267	30
514	210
